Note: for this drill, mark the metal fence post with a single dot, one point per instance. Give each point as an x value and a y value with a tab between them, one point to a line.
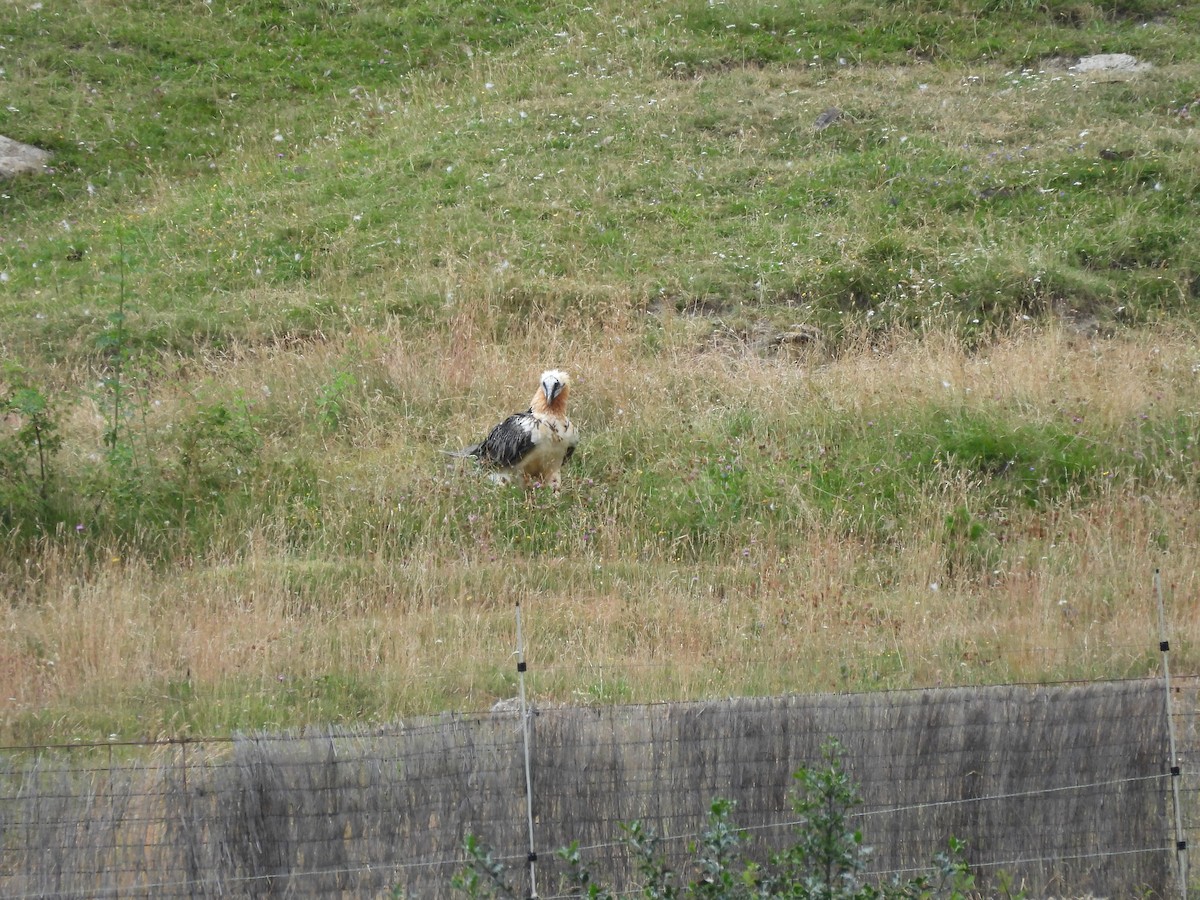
525	734
1164	646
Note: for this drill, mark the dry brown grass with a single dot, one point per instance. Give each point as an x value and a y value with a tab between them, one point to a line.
100	638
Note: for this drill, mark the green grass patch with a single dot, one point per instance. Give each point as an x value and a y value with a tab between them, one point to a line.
267	170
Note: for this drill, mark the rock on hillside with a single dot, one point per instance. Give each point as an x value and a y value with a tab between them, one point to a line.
18	159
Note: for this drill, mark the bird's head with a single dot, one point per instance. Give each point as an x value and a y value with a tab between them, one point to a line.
554	389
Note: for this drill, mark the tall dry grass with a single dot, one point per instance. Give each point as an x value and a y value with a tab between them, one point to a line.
373	619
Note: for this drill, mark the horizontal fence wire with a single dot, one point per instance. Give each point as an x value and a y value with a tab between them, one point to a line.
1065	789
981	663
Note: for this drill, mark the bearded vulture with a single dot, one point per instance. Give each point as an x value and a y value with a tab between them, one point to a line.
535	443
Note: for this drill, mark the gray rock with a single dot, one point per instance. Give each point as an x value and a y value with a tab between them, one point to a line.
1109	62
19	159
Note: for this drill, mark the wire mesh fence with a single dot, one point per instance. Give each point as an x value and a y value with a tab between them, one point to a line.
1065	789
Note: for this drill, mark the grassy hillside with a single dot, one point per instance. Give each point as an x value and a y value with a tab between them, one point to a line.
881	319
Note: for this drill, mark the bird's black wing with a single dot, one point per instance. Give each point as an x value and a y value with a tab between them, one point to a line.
509	442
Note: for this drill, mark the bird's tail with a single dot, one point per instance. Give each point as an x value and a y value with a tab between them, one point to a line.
473	450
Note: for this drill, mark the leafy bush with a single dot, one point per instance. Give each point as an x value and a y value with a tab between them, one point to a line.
827	861
28	444
133	488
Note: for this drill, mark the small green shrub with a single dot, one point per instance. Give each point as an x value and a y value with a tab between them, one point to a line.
827	861
332	400
29	441
217	450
